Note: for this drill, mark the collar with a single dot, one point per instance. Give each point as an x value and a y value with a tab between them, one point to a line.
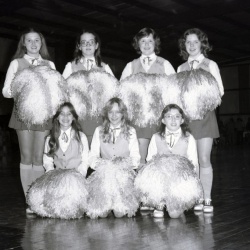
30	58
84	59
68	132
112	127
177	132
198	58
152	56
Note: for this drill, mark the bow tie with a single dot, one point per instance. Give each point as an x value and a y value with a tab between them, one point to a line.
113	131
192	63
147	60
65	137
89	64
171	138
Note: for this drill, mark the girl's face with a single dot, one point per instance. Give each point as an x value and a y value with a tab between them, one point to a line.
193	45
147	45
115	115
88	46
173	120
65	118
33	44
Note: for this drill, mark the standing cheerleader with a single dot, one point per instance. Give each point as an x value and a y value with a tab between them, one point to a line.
194	46
147	43
169	178
114	154
62	193
87	56
31	51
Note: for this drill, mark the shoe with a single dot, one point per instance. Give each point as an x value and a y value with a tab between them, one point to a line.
29	211
143	208
158	213
208	208
199	206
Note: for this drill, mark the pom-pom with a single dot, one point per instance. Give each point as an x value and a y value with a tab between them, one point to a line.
59	194
111	187
90	90
169	180
200	93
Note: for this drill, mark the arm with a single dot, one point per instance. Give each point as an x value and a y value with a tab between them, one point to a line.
48	162
152	148
168	68
214	69
95	151
127	71
83	167
67	71
108	69
192	154
9	77
134	152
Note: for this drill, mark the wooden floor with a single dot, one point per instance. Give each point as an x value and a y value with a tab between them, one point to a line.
227	228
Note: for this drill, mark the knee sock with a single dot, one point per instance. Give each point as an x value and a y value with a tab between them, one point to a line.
26	177
38	171
206	177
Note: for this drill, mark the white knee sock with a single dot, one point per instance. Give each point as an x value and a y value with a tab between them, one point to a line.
38	171
26	177
206	176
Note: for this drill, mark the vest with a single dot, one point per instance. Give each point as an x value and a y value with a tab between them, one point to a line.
203	65
156	68
118	149
71	158
79	66
180	148
24	64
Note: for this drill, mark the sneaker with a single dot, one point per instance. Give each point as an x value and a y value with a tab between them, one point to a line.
199	206
208	208
143	208
29	211
158	213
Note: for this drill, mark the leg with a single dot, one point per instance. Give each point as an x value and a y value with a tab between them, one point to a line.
204	147
38	145
143	147
25	139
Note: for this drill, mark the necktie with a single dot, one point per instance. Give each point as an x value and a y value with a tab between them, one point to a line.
192	64
89	64
113	131
34	61
65	137
171	138
147	60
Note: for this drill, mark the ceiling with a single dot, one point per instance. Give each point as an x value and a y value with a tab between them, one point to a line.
226	22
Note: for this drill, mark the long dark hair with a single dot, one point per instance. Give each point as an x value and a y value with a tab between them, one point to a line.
202	36
78	53
21	49
184	125
144	33
125	128
55	131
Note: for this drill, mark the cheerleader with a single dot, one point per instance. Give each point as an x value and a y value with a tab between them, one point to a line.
61	192
87	56
194	46
114	154
147	43
31	51
169	178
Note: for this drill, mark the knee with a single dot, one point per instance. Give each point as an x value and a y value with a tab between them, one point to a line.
204	161
175	214
118	214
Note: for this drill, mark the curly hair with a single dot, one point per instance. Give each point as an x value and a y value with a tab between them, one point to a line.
78	52
125	128
56	131
21	48
202	36
184	126
145	32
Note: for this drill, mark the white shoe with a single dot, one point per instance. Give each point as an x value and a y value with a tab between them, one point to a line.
208	207
143	208
199	206
158	213
29	211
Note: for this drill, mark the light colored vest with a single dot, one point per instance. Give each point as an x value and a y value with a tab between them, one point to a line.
180	148
71	158
203	65
119	149
24	64
156	68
